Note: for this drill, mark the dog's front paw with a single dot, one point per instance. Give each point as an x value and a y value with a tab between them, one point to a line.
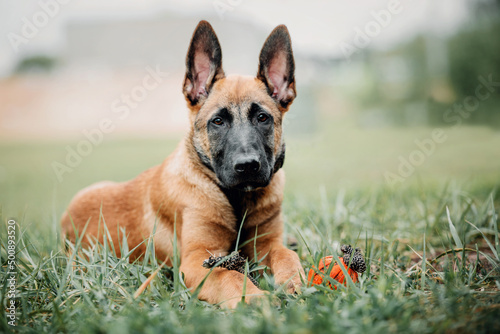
294	287
290	286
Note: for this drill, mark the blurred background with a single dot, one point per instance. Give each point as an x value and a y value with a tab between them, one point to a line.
390	93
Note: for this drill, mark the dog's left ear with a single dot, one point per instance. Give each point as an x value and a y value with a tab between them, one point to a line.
277	67
203	64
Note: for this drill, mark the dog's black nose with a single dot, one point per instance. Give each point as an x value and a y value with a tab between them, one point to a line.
247	165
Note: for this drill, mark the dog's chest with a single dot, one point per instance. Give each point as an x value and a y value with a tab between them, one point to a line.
243	203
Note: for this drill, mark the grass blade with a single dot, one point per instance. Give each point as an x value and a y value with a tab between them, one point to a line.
453	231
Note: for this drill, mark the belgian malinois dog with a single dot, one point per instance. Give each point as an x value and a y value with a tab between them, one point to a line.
226	171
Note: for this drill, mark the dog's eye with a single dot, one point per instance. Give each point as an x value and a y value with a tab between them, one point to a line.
262	117
217	121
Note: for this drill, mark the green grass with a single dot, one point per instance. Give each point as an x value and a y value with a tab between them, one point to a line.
456	288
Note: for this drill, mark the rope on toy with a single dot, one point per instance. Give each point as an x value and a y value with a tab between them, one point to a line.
352	260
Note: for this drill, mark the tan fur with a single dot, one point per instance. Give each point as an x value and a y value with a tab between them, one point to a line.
184	192
236	90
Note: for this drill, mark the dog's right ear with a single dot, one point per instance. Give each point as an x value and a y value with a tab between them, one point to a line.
203	64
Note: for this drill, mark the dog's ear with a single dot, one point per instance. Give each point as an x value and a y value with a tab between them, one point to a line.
277	67
203	64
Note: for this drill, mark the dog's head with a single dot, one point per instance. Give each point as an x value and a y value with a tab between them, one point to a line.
237	120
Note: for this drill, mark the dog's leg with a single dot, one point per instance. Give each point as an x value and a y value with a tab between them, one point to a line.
284	263
222	285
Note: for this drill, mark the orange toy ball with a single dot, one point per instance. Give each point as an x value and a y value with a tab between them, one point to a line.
315	276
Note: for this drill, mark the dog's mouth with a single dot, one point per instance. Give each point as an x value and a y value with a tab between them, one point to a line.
245	185
250	186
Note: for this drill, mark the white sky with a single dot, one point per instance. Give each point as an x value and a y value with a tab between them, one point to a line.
317	27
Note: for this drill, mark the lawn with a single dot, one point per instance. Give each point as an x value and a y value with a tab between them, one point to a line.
431	241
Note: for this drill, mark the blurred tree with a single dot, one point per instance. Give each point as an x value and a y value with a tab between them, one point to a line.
439	73
36	64
475	51
472	53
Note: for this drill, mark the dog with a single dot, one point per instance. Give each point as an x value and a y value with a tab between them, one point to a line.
225	172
